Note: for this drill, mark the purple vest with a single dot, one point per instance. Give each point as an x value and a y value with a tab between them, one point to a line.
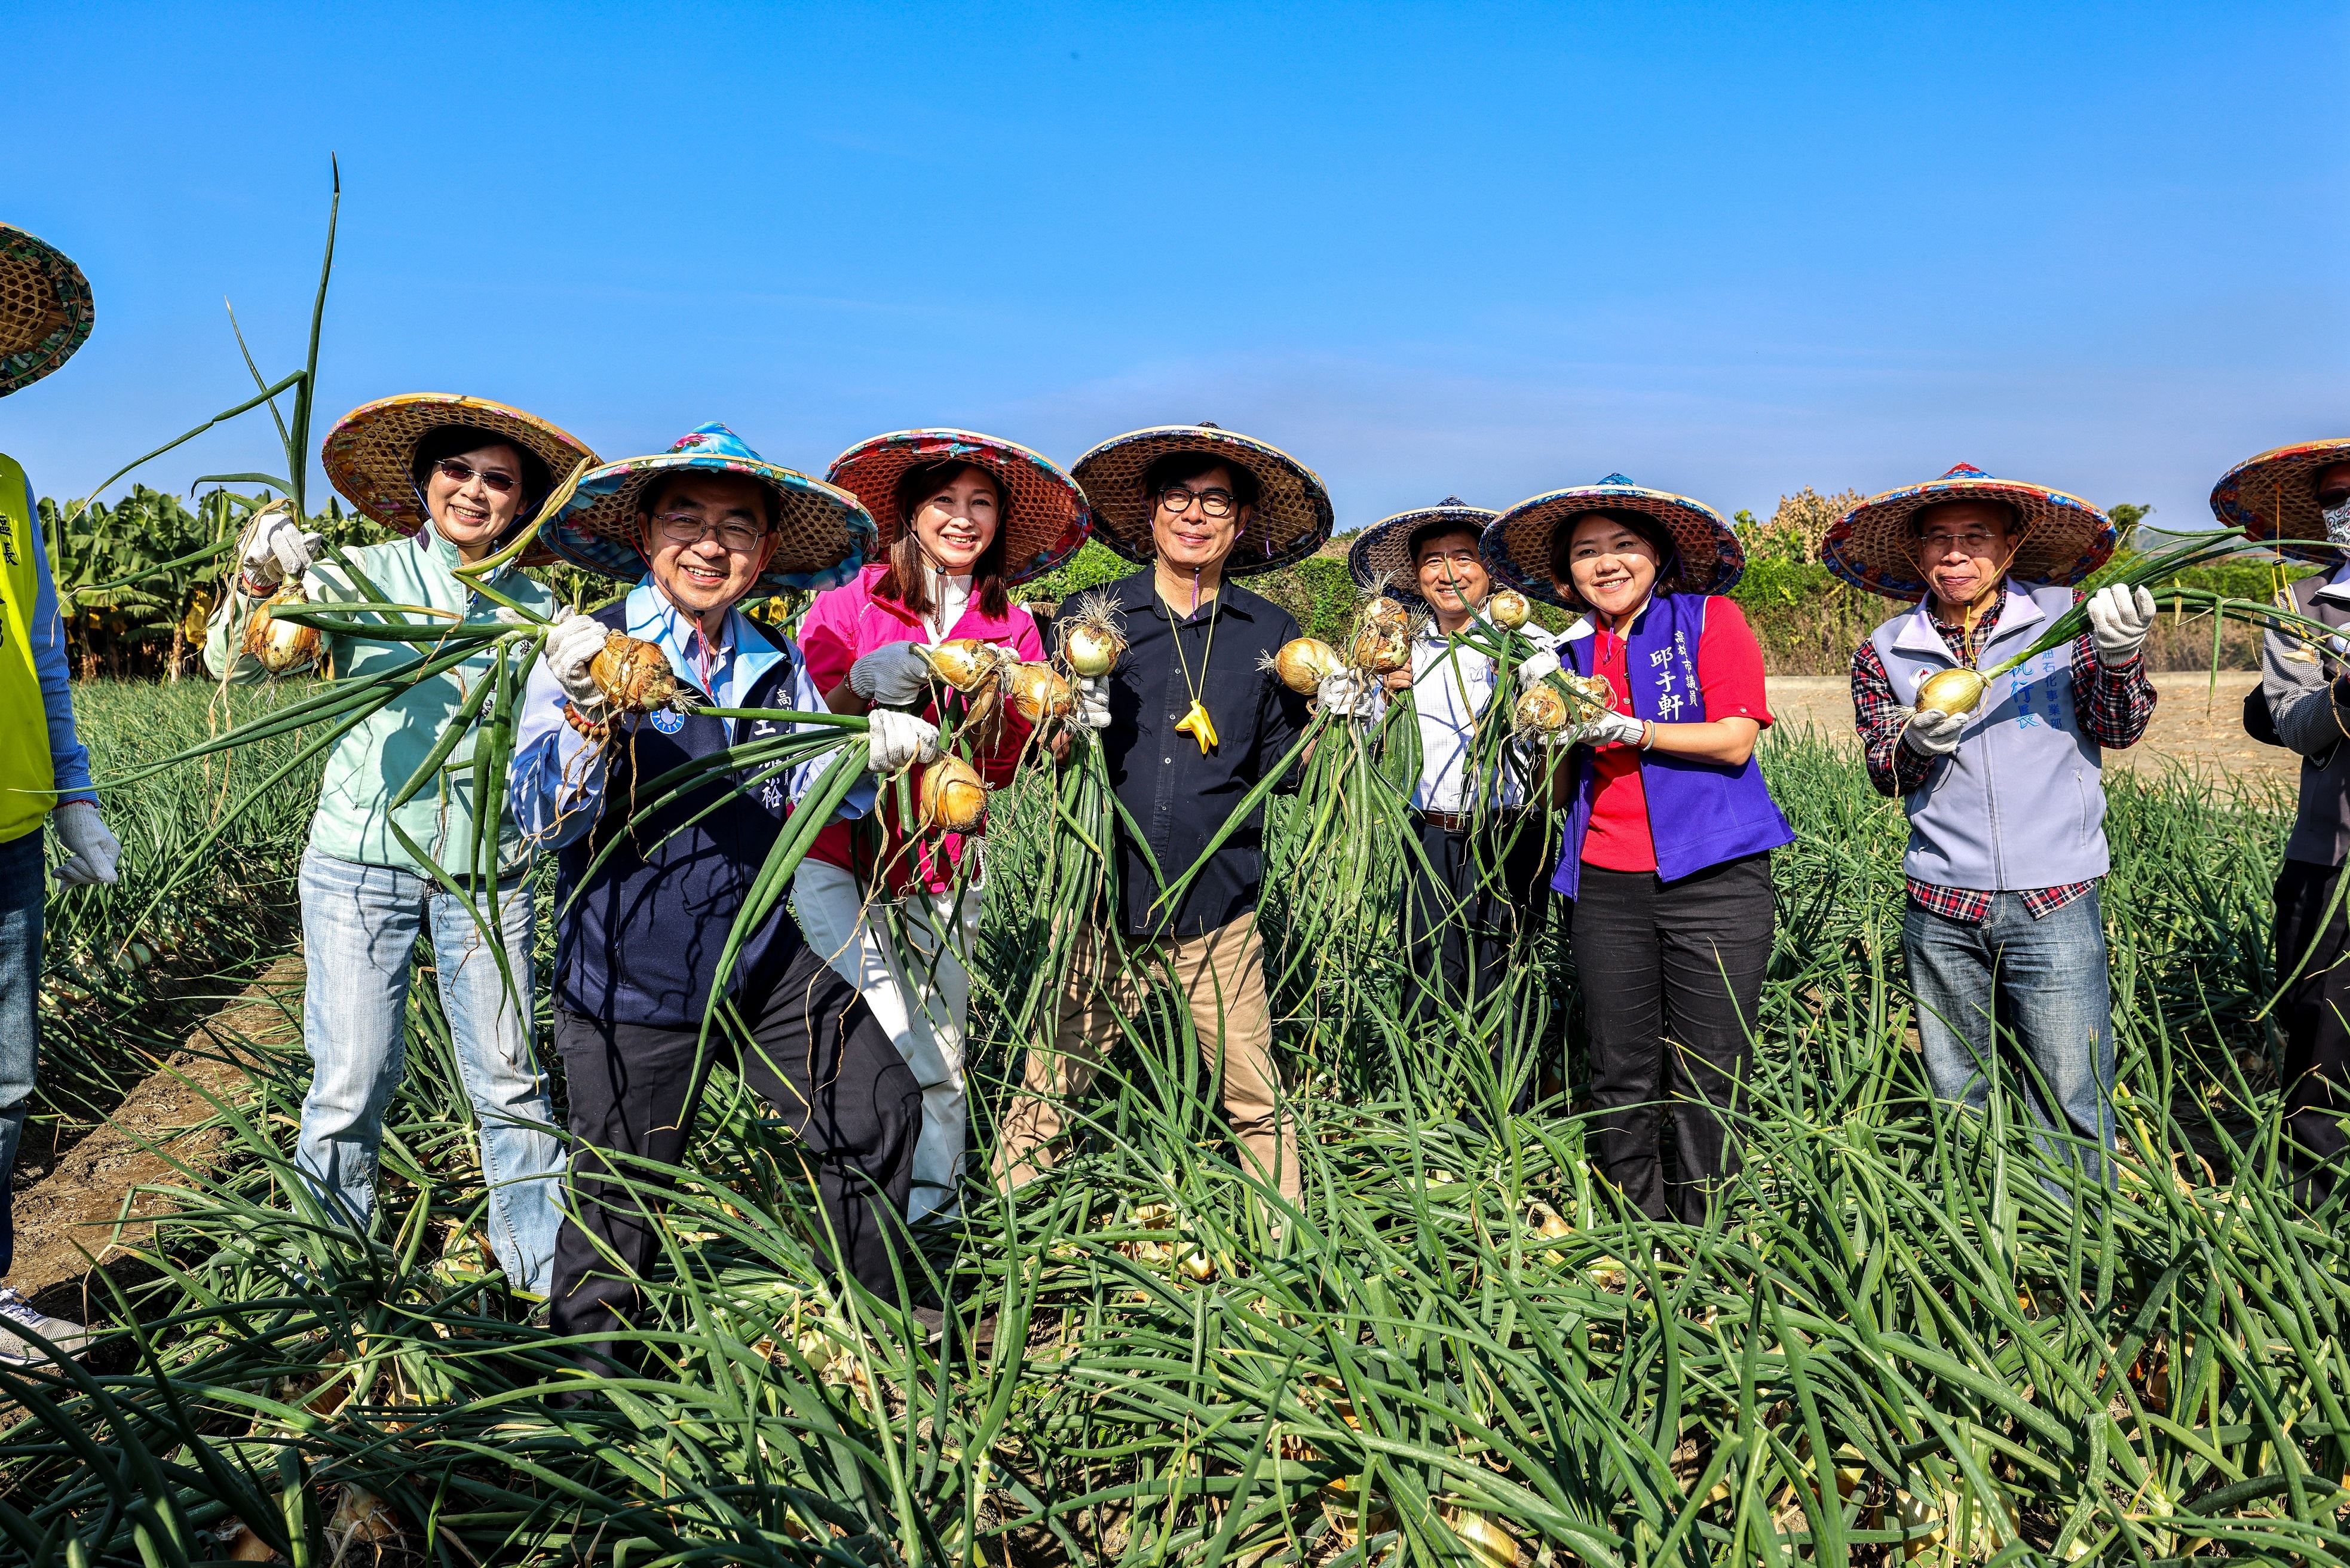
1700	813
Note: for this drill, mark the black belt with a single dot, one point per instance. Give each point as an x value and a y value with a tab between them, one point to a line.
1462	821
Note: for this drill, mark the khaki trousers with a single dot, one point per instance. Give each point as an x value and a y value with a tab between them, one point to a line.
1221	976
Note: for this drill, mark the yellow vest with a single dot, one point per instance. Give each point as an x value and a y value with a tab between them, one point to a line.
28	785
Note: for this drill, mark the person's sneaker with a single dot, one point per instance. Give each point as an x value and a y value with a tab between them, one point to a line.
69	1337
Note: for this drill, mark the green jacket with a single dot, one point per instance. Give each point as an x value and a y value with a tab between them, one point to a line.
374	759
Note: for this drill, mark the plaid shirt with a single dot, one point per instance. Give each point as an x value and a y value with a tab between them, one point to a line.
2114	706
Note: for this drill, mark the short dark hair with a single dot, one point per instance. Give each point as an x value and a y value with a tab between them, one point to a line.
444	441
1659	537
905	582
649	500
1180	467
1917	523
1418	539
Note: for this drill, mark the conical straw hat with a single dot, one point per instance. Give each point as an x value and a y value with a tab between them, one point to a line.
825	534
1293	511
2064	538
1046	517
46	310
2272	497
1518	543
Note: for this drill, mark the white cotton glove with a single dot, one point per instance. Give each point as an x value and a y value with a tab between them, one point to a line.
570	648
274	547
2119	620
1349	694
892	676
1539	666
1612	729
1093	702
1934	733
94	852
896	741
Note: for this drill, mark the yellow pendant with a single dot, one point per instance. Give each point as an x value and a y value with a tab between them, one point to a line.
1199	726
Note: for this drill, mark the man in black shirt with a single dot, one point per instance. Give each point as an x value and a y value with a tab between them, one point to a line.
1190	724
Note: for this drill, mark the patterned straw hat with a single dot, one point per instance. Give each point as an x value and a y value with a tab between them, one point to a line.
1046	517
45	312
1293	511
1517	544
2273	496
2064	538
370	455
1379	557
825	534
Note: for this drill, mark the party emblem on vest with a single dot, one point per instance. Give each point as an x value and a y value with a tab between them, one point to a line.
668	721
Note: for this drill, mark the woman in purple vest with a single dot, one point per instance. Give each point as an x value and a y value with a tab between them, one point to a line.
1670	828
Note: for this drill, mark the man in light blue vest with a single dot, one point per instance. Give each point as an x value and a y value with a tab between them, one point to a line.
2006	802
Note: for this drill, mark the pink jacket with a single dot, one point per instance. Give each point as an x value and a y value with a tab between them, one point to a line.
848	622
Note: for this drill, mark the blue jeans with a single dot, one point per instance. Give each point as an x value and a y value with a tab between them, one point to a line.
22	886
2045	981
360	925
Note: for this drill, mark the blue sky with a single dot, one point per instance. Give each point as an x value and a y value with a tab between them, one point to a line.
1482	250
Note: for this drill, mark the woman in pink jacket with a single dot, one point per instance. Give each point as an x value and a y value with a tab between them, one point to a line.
963	518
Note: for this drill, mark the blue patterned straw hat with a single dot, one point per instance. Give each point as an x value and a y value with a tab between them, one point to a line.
1517	546
825	536
1380	559
46	311
2064	538
1292	517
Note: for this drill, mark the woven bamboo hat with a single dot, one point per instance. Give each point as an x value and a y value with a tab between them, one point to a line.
1517	543
2064	538
370	455
1046	517
1293	511
46	311
826	534
1380	558
2272	497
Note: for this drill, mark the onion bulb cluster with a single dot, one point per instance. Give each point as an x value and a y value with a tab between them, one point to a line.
633	675
954	797
282	646
1382	640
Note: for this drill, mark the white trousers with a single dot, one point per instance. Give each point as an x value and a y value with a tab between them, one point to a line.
924	1004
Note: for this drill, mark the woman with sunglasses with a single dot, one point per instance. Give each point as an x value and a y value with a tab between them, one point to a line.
458	476
963	518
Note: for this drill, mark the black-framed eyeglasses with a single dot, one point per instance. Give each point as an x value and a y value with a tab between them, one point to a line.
687	528
2333	496
1177	500
457	470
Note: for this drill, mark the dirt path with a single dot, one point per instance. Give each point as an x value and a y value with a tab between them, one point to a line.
67	1218
2193	726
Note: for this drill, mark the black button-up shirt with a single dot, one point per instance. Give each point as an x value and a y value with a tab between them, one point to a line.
1177	795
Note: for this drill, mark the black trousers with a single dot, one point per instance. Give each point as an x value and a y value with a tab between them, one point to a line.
1671	976
1466	906
2315	1015
818	1058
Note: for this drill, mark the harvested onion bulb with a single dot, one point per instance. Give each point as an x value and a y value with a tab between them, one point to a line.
1092	643
1038	692
1303	661
633	675
1951	692
1542	709
280	646
965	663
1508	609
954	797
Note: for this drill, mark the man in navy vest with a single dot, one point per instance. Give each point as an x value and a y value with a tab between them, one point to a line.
2006	803
646	910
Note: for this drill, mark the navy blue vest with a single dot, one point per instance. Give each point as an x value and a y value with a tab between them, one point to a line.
638	943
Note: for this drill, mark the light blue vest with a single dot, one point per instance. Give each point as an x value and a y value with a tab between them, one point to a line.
2022	802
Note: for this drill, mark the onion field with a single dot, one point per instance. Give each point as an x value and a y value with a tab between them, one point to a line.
1905	1338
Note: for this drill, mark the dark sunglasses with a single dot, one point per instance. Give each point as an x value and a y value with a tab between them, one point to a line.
456	471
